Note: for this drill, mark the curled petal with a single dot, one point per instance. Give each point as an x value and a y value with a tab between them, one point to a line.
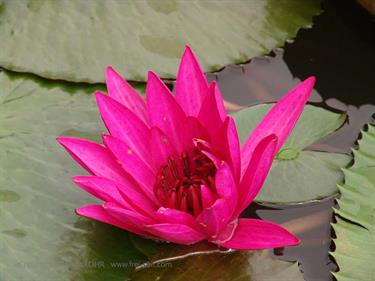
176	233
191	84
212	220
95	158
121	91
253	234
280	120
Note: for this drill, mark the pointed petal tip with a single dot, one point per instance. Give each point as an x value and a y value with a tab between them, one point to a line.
311	80
99	96
78	179
307	84
213	84
110	72
188	50
190	55
151	75
83	211
109	69
64	140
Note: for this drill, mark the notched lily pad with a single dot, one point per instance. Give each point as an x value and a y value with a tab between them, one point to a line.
297	174
76	40
355	227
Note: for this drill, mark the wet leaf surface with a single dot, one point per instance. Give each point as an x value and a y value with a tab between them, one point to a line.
41	238
299	175
42	37
233	266
355	227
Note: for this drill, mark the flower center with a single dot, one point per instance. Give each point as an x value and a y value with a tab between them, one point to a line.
179	182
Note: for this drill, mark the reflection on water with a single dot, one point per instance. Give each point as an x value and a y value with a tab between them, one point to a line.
311	223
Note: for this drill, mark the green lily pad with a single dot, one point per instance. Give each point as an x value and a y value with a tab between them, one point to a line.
355	227
238	266
41	238
299	175
76	40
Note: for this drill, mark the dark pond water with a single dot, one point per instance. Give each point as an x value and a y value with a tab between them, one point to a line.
340	51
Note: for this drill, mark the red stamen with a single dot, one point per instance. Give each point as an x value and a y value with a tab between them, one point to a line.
179	182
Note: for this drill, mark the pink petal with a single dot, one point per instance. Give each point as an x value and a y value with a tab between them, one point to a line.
127	216
102	188
209	114
217	162
231	143
280	120
97	212
165	113
225	146
219	100
208	197
191	84
211	220
124	124
121	91
225	186
133	165
195	128
257	170
176	233
93	157
136	200
225	234
174	216
161	148
253	234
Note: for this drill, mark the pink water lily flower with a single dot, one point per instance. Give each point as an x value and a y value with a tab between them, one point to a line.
171	167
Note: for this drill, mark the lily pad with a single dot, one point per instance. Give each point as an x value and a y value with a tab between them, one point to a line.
238	266
297	174
76	40
355	227
41	238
